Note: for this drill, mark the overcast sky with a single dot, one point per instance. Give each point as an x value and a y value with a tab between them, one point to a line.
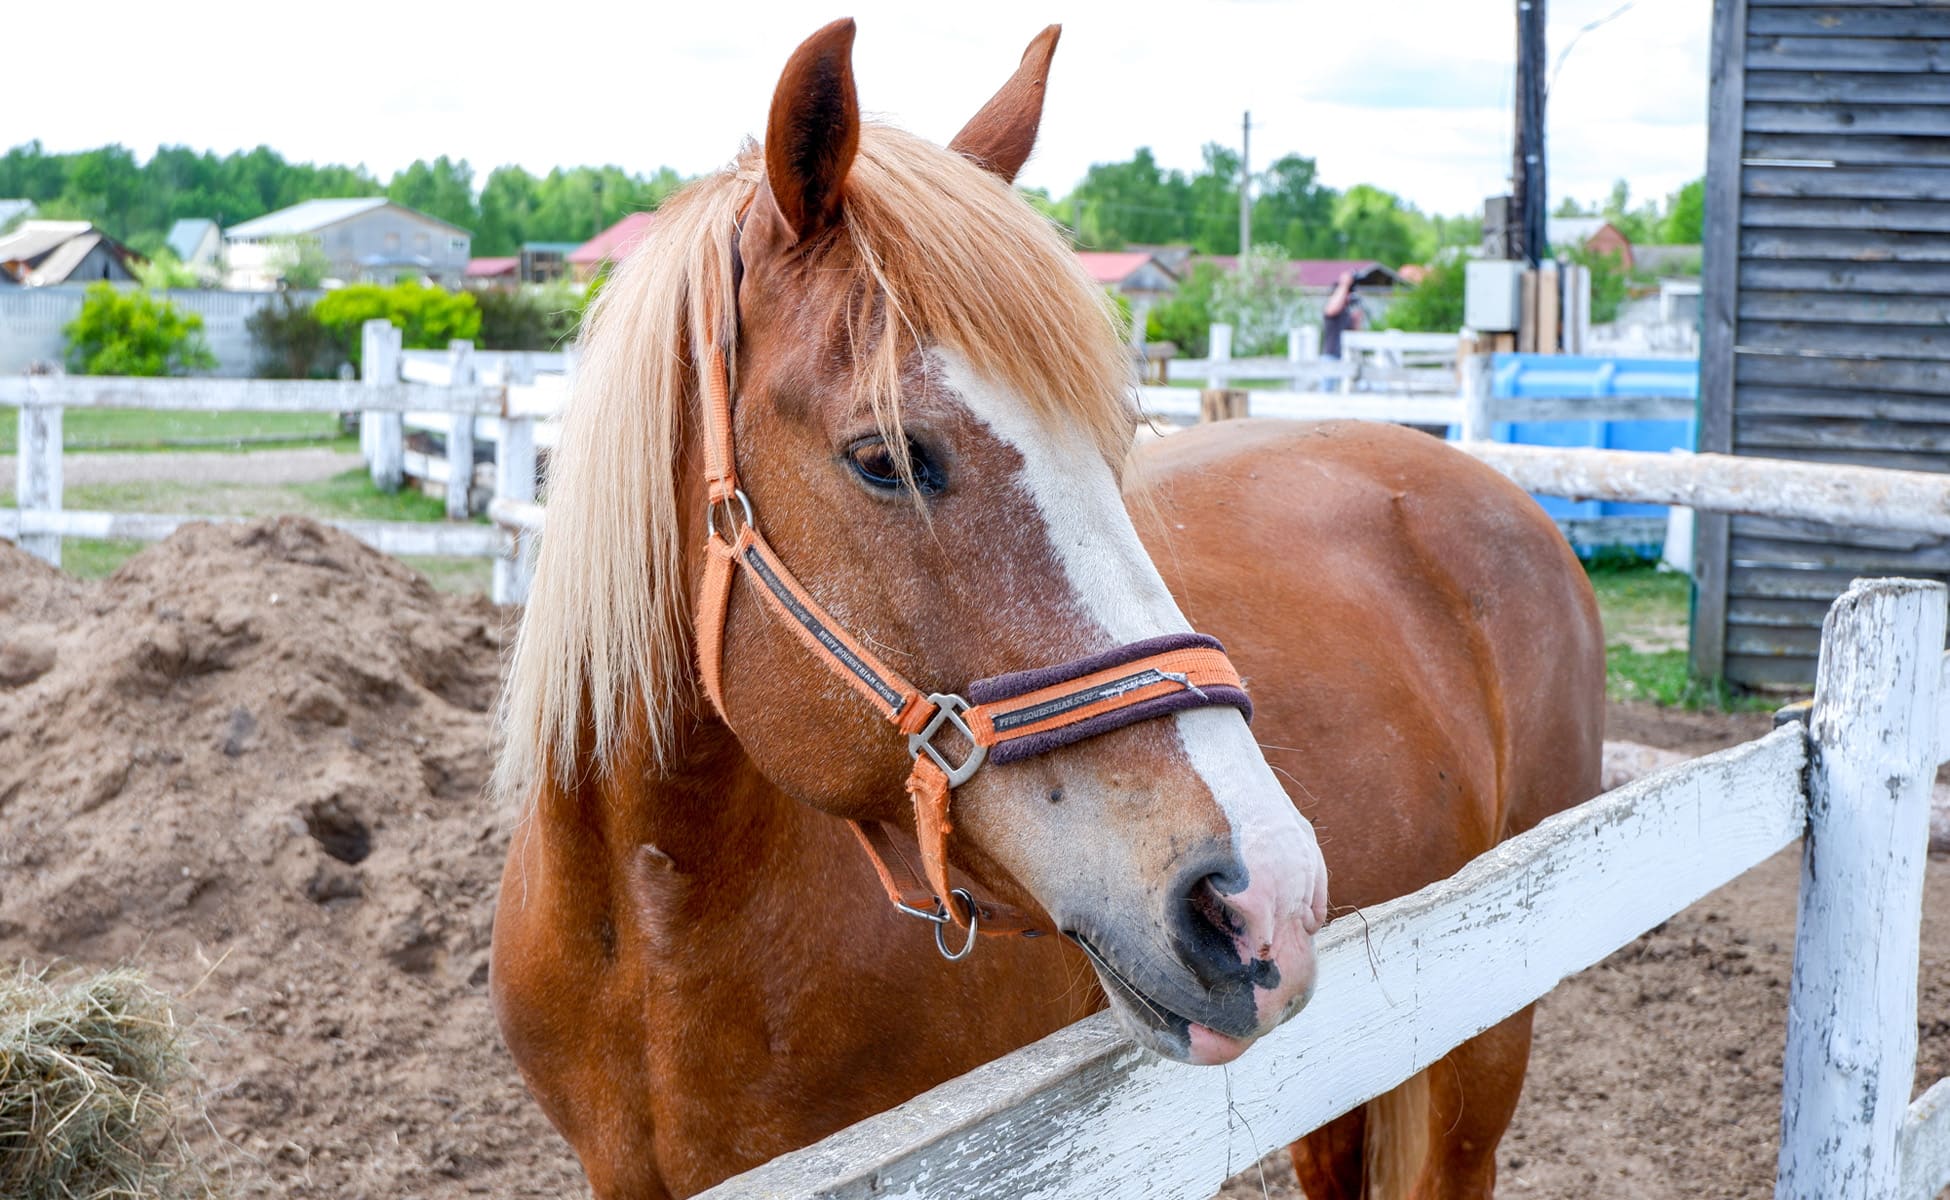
1410	95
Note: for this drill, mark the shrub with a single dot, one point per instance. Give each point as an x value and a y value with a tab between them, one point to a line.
533	318
1185	320
427	317
1434	305
133	333
291	342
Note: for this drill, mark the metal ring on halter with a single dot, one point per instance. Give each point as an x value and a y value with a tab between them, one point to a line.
974	919
711	513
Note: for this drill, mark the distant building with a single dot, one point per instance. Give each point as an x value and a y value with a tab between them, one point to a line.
370	240
1595	234
196	242
545	262
611	245
39	253
1667	260
499	273
14	211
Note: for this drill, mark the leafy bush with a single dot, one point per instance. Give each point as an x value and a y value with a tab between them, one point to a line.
291	342
164	271
427	317
1260	302
300	262
533	318
1608	280
1434	305
1185	320
133	333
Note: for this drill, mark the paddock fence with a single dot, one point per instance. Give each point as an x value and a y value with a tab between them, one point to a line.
1085	1113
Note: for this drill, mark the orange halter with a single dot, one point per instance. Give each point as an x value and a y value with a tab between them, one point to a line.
1012	716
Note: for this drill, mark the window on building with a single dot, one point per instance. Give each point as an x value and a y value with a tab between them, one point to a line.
392	241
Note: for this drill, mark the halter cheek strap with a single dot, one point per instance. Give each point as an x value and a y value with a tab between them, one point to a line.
1004	719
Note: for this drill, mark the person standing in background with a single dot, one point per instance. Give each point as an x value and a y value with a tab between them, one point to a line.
1343	312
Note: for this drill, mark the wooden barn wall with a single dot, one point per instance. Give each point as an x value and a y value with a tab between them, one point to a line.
1827	300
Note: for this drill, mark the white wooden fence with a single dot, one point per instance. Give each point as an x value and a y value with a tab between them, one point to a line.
1384	360
1085	1113
39	521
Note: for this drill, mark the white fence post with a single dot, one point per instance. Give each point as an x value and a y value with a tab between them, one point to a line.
1218	350
1478	392
460	434
514	479
1851	1038
37	475
382	435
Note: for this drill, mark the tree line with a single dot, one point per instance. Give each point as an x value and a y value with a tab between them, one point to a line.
136	202
1133	202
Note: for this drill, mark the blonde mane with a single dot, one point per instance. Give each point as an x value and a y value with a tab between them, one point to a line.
940	253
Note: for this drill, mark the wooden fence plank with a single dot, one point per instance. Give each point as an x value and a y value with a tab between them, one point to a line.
1823	402
1817	433
1856	341
390	537
514	483
460	435
1770	670
1818	89
1852	21
1909	56
1931	559
1926	1141
1775	641
1859	183
1848	308
243	395
1916	120
1790	583
1864	375
1915	500
1851	1041
1851	149
1852	245
1900	278
1084	1113
1800	213
1726	102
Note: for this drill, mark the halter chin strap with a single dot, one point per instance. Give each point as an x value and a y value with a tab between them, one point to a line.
1003	719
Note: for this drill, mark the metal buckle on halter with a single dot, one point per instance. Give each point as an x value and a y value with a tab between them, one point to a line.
947	710
731	515
940	919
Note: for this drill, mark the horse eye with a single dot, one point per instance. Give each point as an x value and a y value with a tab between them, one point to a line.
873	461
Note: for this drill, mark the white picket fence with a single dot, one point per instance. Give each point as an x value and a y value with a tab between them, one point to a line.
1385	360
1085	1113
39	521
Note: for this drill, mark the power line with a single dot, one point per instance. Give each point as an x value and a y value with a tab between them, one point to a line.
1620	11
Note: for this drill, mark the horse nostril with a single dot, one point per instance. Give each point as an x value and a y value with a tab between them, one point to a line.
1204	928
1207	903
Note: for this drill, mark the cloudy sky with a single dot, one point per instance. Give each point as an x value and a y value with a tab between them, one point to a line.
1411	95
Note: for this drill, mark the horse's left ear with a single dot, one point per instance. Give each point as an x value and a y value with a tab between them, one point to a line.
813	132
1001	136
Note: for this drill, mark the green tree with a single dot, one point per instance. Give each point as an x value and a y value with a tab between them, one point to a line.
1685	220
441	188
1185	318
1260	301
1434	305
1373	224
1608	282
1117	203
132	333
164	271
301	262
1295	209
507	209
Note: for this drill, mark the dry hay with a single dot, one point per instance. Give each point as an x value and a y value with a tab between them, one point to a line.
93	1094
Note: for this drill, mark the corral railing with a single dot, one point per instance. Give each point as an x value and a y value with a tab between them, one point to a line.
509	412
1389	360
1085	1113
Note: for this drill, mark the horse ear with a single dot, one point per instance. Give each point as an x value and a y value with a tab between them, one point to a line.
1001	136
813	131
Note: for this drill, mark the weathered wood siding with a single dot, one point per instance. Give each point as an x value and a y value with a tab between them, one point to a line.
1827	300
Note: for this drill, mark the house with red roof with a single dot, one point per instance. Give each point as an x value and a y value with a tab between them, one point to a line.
611	245
502	272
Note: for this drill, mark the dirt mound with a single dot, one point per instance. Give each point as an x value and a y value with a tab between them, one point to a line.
253	761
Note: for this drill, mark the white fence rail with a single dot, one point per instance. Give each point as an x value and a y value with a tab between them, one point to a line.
455	403
1085	1113
1386	360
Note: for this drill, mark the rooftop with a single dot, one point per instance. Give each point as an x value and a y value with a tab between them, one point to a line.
489	268
616	241
308	216
33	239
1112	266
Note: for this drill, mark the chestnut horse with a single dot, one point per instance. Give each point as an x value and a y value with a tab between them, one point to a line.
870	348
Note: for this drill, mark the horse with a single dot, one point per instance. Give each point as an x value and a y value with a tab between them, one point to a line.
852	415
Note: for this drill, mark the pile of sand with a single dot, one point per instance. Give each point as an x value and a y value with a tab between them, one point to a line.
252	762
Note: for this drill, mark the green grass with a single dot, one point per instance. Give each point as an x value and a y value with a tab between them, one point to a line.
351	496
152	429
1646	614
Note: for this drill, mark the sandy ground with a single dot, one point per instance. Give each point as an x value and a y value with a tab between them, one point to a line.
252	762
260	467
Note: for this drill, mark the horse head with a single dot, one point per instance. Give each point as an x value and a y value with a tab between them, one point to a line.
928	410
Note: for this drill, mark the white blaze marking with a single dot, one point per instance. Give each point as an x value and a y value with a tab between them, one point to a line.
1115	583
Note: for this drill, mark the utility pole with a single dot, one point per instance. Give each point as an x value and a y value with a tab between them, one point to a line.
1246	185
1528	196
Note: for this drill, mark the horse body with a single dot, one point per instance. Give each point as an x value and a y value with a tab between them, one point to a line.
1396	608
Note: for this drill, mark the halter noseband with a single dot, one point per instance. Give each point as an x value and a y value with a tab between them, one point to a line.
1004	718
